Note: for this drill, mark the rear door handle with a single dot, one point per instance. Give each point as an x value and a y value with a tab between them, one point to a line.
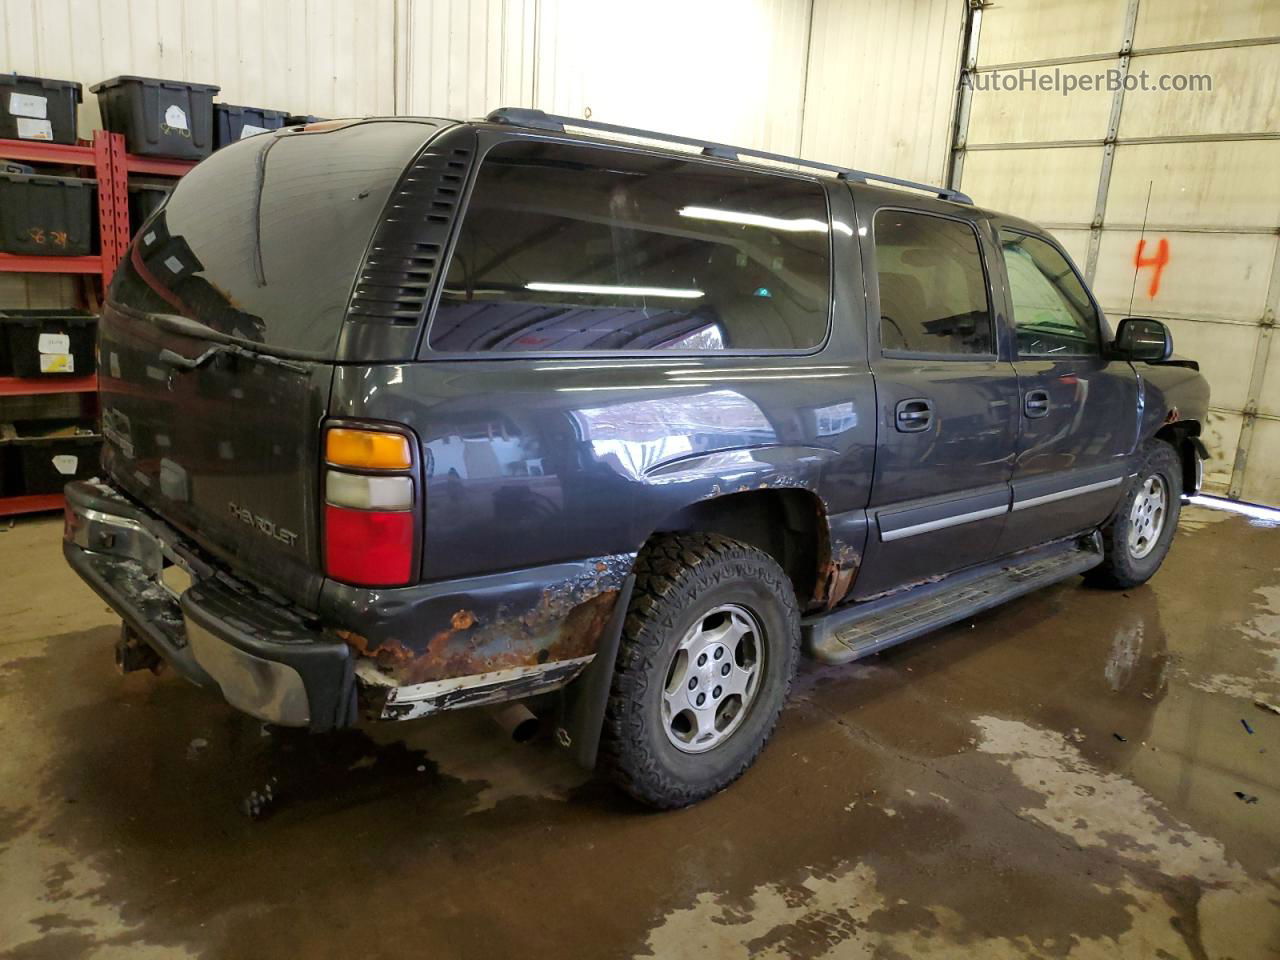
914	415
1036	404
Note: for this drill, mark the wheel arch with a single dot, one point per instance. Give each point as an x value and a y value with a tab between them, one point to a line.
1184	437
790	524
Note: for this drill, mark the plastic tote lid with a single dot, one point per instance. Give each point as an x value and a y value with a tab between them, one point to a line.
152	81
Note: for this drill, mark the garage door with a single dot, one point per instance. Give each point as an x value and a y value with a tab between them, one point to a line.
1146	135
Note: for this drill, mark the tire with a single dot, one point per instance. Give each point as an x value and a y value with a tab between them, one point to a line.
1129	557
690	590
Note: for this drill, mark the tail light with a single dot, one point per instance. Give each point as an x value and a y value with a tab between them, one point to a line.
371	507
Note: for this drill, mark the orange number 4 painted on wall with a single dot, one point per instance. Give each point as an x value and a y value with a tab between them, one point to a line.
1156	263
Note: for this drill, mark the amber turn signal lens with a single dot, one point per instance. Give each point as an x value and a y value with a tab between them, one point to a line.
369	449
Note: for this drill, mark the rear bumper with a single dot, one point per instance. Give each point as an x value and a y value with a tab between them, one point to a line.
265	657
480	640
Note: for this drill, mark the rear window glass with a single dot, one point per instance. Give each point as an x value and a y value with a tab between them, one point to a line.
933	291
573	248
263	240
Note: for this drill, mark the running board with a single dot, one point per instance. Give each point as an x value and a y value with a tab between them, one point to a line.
849	633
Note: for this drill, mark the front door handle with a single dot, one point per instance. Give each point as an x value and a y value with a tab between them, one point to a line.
914	415
1036	404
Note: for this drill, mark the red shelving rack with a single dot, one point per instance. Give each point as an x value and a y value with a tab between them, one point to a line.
111	165
33	503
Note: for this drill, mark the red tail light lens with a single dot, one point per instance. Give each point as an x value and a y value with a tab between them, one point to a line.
368	547
370	517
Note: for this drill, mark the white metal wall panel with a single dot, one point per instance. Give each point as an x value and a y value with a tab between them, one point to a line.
465	58
324	57
1038	116
881	85
1062	192
1204	183
1245	97
1269	395
1023	31
728	70
1221	276
1222	350
1262	469
1167	23
1221	438
1234	179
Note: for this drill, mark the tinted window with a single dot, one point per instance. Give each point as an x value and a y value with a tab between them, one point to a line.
262	241
1051	310
933	293
581	248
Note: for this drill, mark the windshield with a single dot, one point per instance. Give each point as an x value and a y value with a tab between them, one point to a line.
262	242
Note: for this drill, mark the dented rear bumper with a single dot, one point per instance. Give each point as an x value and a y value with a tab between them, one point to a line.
268	659
394	653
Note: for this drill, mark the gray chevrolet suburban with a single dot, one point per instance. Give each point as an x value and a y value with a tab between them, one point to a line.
407	415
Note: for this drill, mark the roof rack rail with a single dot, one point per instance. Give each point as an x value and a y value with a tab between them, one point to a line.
538	120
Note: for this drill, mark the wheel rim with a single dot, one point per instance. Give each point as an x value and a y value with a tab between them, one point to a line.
713	678
1147	516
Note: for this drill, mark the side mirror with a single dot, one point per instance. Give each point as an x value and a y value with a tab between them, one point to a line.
1141	339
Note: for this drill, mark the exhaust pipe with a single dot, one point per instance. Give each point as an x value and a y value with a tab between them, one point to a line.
516	719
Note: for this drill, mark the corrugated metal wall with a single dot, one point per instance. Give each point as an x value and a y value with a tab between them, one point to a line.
1169	200
323	57
881	85
863	82
731	70
860	82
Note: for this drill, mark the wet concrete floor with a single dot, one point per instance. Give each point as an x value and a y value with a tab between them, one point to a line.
1079	774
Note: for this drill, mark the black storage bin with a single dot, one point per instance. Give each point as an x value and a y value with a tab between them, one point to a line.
301	119
47	464
33	108
31	343
232	123
10	478
50	216
159	118
144	200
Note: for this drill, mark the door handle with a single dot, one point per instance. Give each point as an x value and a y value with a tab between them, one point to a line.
914	415
1036	404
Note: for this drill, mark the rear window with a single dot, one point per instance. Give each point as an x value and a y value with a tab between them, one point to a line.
576	248
933	291
263	241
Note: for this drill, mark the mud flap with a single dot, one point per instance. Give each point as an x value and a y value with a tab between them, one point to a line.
582	703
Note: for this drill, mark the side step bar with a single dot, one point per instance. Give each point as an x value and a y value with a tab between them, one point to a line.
849	633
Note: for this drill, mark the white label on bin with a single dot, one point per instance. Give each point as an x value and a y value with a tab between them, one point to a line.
34	129
53	343
26	105
66	463
57	363
175	118
173	263
249	130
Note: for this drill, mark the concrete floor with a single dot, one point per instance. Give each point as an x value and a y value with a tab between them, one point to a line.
1060	778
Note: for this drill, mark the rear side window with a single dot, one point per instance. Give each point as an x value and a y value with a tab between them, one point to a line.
933	291
1052	313
576	248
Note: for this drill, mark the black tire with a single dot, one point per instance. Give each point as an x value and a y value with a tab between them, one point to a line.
1120	568
679	580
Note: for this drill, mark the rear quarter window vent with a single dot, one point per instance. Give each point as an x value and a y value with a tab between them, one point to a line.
395	282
